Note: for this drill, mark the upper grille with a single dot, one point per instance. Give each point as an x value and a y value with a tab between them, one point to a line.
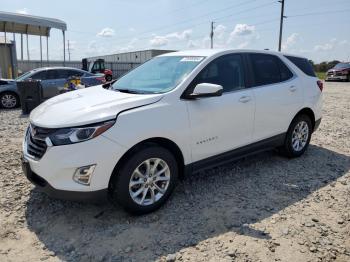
36	145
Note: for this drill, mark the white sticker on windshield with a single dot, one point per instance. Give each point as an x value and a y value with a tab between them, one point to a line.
192	59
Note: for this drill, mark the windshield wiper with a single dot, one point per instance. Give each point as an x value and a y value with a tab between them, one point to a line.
130	91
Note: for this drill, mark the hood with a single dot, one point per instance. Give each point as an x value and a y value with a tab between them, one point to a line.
9	81
87	106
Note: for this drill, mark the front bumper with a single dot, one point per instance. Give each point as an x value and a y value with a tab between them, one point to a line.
336	77
53	173
44	186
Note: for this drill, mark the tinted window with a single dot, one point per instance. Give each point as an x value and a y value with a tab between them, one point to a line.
266	69
342	65
303	64
39	76
51	74
66	73
74	73
284	70
226	71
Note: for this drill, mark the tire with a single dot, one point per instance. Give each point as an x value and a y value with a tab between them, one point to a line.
9	100
288	149
120	189
108	78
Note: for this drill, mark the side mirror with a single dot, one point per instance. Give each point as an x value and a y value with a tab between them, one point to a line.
206	90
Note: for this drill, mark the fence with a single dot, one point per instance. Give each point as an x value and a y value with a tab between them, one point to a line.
118	68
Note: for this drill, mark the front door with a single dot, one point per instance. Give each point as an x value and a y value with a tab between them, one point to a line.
220	124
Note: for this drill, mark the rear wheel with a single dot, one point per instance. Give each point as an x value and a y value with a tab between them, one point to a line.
9	100
298	136
145	181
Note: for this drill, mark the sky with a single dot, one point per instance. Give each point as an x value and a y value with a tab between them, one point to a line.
316	29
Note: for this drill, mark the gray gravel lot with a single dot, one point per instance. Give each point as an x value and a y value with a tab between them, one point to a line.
262	208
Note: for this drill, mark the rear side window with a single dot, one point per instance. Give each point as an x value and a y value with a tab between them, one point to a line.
285	72
269	69
303	64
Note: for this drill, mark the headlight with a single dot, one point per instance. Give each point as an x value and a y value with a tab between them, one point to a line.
72	135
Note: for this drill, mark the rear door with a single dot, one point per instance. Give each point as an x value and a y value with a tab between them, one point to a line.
278	95
220	124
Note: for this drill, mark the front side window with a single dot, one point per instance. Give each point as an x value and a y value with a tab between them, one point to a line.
226	71
42	75
158	75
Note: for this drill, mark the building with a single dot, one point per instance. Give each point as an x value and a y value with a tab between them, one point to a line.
122	63
138	57
8	58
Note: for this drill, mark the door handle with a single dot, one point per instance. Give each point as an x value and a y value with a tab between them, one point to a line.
244	99
292	88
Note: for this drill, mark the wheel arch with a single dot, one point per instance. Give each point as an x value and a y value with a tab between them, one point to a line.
160	141
310	113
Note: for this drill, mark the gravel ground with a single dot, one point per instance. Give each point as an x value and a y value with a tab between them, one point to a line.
262	208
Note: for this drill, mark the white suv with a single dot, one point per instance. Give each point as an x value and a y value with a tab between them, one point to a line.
177	113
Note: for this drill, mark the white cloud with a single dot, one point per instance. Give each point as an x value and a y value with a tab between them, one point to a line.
324	47
23	11
106	32
129	47
158	41
185	35
220	31
243	30
291	41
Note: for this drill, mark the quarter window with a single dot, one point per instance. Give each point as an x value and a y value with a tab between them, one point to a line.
303	64
226	71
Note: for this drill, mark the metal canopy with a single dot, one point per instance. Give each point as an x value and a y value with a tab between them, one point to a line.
29	24
32	25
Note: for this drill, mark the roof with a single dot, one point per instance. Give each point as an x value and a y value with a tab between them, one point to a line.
33	25
211	52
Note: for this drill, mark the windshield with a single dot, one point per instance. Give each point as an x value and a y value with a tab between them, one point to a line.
158	75
342	65
24	76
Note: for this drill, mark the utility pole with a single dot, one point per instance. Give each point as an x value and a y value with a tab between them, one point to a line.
212	35
281	25
68	51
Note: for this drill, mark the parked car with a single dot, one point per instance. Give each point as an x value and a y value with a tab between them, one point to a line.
52	80
340	71
175	114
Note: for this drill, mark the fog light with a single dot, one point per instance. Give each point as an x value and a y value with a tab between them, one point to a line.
83	174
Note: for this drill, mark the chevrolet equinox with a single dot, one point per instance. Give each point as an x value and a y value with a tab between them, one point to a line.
178	113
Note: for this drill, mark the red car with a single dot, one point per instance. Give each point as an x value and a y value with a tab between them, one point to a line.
340	71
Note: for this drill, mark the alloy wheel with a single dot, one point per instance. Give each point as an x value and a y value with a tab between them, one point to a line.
149	181
300	136
8	101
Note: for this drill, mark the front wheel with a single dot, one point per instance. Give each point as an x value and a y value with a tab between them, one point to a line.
109	78
298	137
145	181
9	100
